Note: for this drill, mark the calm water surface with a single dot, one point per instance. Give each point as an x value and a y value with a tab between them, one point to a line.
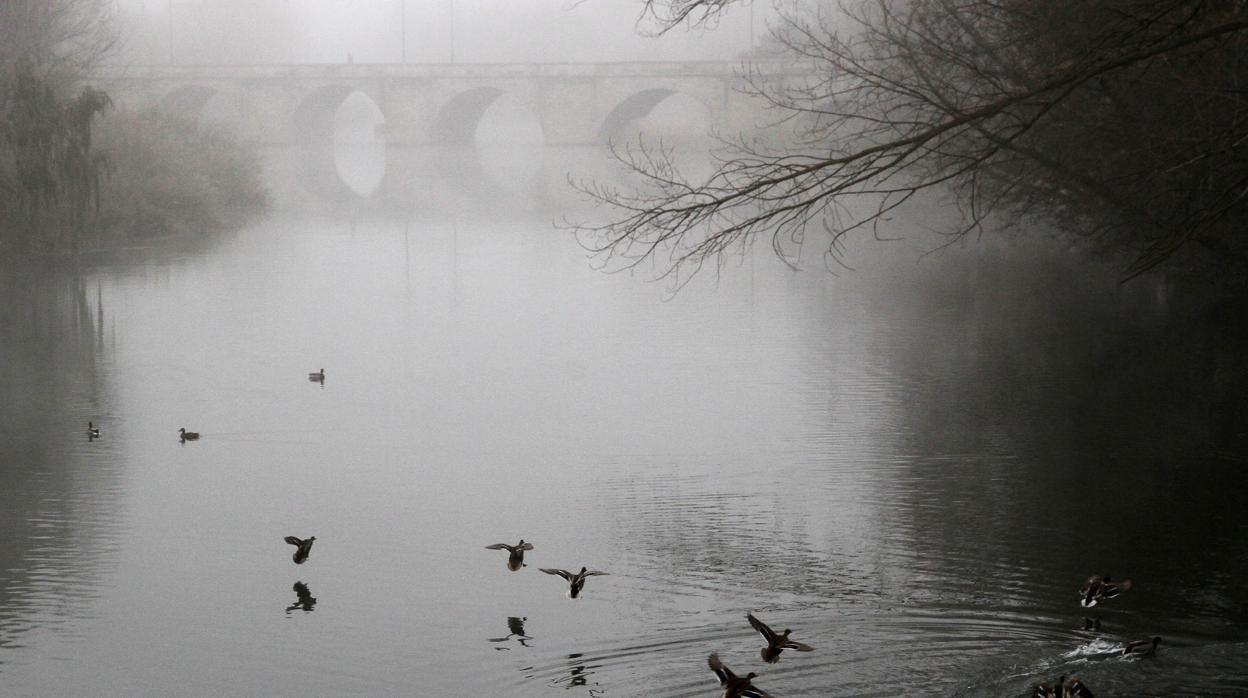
913	468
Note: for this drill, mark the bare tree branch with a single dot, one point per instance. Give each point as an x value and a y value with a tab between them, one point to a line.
1018	107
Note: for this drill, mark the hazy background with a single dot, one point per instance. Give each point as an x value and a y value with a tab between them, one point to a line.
438	31
913	463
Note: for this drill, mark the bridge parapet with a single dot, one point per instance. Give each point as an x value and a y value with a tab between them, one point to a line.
575	104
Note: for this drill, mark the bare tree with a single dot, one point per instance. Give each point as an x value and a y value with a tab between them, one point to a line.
62	38
1122	121
671	13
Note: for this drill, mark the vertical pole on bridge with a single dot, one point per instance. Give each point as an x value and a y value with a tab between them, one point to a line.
751	28
452	32
169	34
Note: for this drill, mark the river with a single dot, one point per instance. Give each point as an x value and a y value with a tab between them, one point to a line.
913	466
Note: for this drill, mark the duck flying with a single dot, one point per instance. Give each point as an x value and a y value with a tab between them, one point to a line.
93	432
576	580
317	376
516	559
1074	688
188	435
1098	589
1139	647
776	642
734	686
303	548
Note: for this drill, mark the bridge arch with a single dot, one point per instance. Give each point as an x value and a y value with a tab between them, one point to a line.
327	169
641	104
224	106
457	120
188	100
488	139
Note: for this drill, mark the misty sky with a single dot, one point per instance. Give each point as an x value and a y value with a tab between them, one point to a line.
241	31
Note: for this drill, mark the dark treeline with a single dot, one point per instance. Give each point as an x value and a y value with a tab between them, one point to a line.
74	173
1120	124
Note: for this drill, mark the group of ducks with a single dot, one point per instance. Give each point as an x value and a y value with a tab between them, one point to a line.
1093	592
515	560
1096	590
734	686
184	435
93	433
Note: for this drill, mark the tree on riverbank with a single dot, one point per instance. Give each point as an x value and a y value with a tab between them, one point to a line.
156	174
49	172
1122	123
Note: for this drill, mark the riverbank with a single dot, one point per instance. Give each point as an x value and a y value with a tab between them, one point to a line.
163	177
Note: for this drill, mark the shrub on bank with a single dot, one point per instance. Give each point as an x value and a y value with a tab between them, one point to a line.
173	177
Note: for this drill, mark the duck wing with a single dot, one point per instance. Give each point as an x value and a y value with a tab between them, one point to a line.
293	541
562	573
524	546
1142	646
755	692
499	546
594	573
724	673
767	633
1076	689
795	645
1112	589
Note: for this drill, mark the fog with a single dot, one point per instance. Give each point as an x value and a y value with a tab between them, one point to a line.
437	31
386	261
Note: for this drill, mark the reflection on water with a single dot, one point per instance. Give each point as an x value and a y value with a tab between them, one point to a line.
58	497
515	630
922	463
304	599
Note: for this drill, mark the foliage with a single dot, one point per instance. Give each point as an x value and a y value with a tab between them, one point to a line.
172	176
54	173
61	39
63	186
49	172
1122	122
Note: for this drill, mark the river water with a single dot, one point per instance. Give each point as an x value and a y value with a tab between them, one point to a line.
912	466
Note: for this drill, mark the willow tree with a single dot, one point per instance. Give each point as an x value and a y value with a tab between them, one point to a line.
49	172
1122	123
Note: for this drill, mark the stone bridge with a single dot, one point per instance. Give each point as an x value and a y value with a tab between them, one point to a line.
442	105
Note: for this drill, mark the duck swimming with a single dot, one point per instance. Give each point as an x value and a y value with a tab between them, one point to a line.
776	643
1098	589
304	548
734	686
576	580
93	432
516	560
188	435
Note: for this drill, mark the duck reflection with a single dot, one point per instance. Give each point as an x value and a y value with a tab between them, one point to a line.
515	629
578	672
305	600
